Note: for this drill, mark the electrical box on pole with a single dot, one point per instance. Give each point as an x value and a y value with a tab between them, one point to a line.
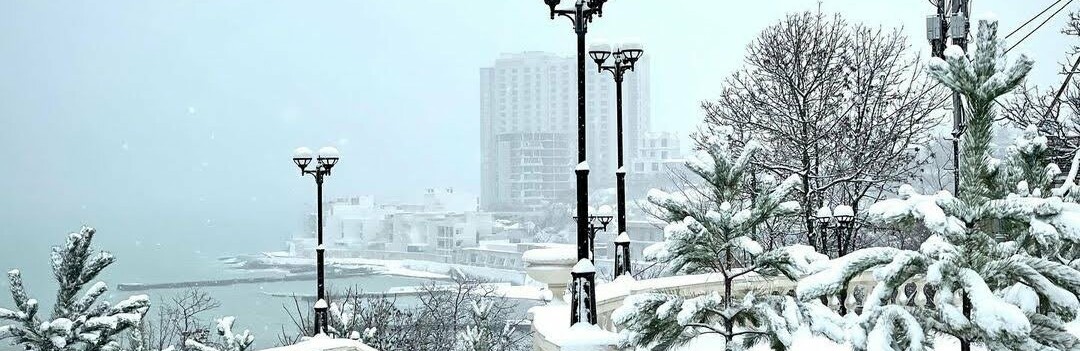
933	28
958	26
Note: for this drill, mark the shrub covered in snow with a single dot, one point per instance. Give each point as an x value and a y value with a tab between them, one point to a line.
229	340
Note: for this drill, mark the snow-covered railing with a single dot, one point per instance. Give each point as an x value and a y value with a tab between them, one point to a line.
609	296
323	343
550	323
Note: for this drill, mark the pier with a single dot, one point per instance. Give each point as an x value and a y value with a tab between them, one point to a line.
345	273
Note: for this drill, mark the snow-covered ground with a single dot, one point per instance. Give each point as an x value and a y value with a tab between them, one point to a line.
553	322
323	343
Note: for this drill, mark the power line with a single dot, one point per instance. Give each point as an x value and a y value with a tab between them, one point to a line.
1039	26
1065	84
1032	19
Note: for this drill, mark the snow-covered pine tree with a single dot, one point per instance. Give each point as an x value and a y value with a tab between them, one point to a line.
77	322
229	341
710	230
1018	297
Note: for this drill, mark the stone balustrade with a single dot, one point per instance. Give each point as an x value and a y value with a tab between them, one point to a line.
324	343
610	296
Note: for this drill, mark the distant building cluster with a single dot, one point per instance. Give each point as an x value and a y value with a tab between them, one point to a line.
444	221
528	116
446	227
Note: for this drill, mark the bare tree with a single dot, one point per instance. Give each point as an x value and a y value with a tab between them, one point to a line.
845	106
444	317
181	317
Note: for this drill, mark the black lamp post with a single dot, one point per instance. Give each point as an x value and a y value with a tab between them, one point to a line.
583	308
580	16
624	60
823	217
583	289
320	310
597	223
327	158
622	255
845	220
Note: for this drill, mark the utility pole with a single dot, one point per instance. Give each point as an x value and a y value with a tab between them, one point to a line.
958	32
957	25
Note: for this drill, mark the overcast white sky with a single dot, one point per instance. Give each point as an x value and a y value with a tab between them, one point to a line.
137	114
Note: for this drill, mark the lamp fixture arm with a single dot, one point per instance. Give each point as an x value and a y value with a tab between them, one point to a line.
618	70
319	172
579	17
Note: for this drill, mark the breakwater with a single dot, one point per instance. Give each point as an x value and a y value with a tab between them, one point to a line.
357	272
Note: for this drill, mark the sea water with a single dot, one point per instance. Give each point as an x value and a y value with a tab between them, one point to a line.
163	258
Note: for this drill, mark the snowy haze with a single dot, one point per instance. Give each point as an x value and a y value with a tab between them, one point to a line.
172	122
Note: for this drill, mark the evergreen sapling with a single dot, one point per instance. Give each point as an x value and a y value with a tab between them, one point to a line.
711	230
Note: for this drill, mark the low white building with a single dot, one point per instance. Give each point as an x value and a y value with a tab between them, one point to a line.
501	254
444	221
437	233
355	222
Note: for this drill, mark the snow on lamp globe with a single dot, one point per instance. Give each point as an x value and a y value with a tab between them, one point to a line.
302	157
600	53
328	156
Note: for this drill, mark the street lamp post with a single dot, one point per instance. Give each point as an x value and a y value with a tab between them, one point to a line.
823	217
622	255
583	286
598	222
327	158
845	220
624	59
583	308
580	16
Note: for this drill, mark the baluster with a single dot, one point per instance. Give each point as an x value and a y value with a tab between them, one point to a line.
865	289
901	295
920	293
849	300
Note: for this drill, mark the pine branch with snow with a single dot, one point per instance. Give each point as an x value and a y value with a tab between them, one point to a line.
78	320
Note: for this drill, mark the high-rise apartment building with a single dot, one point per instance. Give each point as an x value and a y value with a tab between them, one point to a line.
528	119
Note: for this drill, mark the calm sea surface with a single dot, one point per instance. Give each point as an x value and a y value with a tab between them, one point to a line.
151	261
